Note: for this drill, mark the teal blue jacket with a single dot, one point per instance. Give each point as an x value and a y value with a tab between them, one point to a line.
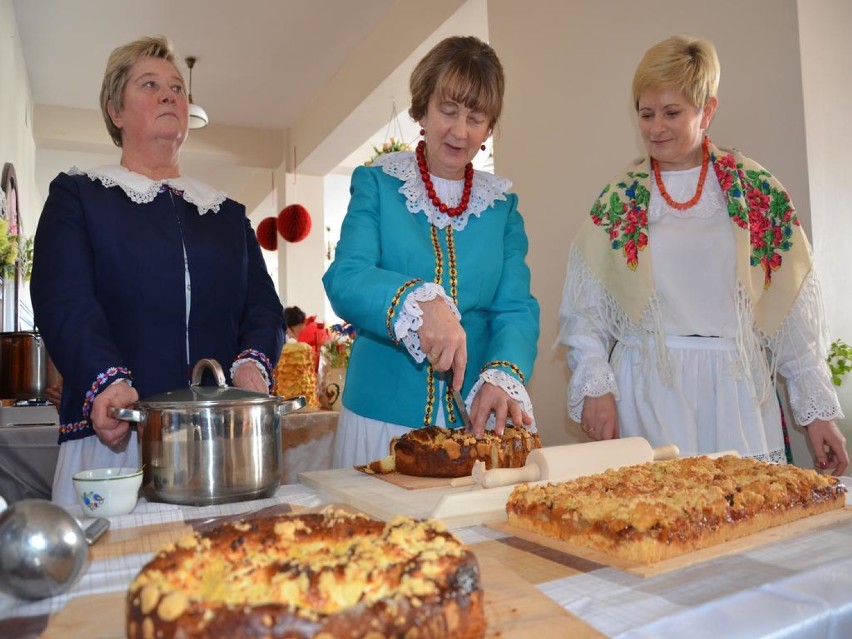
384	253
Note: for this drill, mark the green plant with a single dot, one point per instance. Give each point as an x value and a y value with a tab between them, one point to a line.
9	246
839	360
391	146
25	251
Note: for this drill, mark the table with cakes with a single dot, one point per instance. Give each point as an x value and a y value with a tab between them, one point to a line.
791	577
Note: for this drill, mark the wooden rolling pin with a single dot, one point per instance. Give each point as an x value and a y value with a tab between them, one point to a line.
561	463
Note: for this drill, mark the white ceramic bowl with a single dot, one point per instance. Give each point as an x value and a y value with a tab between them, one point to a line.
106	492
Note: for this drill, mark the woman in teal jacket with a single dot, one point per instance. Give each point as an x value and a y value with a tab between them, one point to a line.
430	269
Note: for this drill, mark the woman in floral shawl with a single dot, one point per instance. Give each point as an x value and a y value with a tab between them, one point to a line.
691	286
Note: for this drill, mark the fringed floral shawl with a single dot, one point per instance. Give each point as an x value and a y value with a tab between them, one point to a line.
773	254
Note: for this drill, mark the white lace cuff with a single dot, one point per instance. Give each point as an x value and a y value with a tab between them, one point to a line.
813	397
246	360
513	388
411	317
592	378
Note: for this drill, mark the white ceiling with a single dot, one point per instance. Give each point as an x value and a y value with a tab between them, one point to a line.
260	63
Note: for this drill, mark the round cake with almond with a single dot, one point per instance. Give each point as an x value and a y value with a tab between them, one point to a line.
312	576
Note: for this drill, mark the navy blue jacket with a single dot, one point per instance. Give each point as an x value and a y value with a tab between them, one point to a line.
109	292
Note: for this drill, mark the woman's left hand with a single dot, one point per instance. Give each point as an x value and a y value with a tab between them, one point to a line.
826	435
493	398
248	377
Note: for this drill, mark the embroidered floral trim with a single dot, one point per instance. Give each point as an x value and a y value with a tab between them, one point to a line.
624	216
142	190
392	308
75	430
258	358
758	205
501	362
486	190
107	378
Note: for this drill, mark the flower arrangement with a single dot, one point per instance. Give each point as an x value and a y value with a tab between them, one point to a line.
9	247
15	250
839	360
335	351
391	146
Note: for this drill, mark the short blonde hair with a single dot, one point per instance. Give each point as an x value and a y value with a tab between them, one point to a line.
680	62
117	71
463	69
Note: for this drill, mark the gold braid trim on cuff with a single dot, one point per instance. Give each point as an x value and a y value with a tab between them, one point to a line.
501	362
392	308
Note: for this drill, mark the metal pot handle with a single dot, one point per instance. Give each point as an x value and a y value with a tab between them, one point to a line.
213	366
291	404
125	414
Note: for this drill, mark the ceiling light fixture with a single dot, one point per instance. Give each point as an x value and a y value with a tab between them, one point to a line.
197	116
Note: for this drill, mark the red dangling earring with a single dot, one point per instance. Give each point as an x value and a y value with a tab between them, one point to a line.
422	132
482	146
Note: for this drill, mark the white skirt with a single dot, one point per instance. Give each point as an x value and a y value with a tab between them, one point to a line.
360	440
710	406
86	454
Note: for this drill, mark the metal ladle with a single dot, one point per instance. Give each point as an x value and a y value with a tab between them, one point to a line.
43	550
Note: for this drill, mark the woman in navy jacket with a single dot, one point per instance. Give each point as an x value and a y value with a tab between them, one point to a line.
139	272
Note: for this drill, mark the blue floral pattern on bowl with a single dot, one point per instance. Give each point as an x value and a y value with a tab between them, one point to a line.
92	500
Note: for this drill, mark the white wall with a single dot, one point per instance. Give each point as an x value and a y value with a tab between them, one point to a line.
568	124
826	55
16	136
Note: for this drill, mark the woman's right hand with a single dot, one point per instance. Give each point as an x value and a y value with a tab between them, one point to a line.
112	432
599	419
443	339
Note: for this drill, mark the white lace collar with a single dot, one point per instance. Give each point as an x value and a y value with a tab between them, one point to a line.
141	189
486	190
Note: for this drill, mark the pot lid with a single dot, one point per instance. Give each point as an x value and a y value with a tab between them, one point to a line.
218	395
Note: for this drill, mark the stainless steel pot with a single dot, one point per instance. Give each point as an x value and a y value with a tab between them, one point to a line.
23	365
210	444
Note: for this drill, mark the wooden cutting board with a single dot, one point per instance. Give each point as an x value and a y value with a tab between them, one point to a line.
455	506
770	535
410	482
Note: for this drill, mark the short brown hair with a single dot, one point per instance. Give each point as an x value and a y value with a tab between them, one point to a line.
463	69
680	62
118	67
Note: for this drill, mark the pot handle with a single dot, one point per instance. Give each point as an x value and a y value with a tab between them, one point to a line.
213	366
291	404
125	414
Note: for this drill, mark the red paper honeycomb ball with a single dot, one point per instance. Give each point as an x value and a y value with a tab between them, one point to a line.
266	234
294	223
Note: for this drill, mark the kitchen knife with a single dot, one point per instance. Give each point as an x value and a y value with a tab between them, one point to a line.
561	463
459	400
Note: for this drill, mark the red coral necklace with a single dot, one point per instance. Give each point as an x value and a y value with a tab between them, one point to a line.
682	206
454	211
